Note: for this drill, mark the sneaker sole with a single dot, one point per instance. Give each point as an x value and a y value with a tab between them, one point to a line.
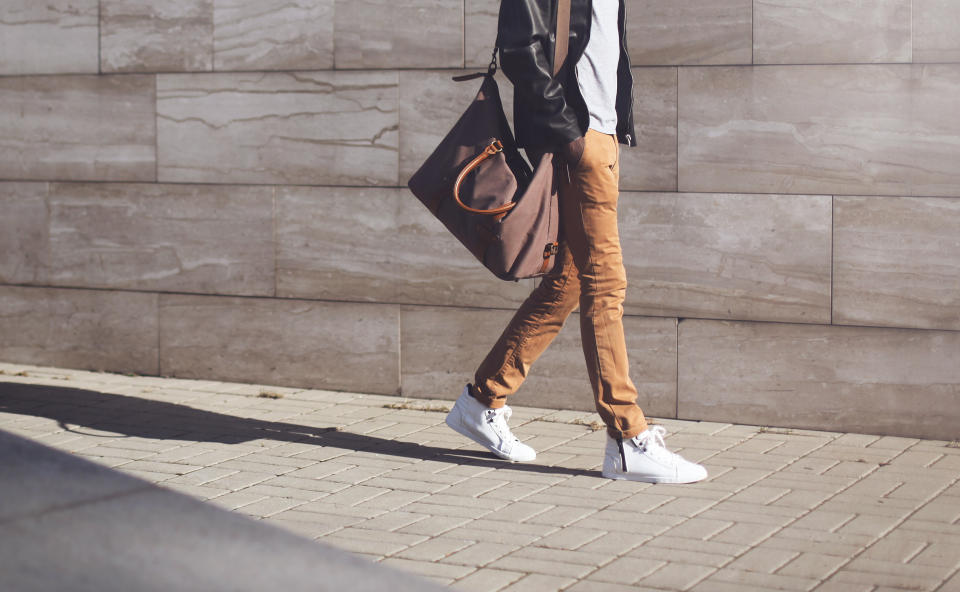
645	478
464	432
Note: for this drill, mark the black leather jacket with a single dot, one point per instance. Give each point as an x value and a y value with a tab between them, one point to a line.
551	112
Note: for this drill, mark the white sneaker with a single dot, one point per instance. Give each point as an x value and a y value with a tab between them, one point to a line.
646	458
487	427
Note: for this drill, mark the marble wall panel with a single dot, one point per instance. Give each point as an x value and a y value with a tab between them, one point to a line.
337	128
880	381
89	329
377	245
663	32
897	262
849	129
273	34
430	103
442	348
935	26
405	34
77	127
840	31
651	165
479	31
51	37
23	232
212	239
156	36
327	345
756	257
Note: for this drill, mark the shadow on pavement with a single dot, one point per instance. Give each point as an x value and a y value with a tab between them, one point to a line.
146	418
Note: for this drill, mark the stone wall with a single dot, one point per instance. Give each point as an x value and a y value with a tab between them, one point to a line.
216	189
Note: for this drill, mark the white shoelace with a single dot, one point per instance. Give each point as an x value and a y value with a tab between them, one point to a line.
498	418
655	446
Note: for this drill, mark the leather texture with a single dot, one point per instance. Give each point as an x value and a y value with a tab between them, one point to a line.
549	110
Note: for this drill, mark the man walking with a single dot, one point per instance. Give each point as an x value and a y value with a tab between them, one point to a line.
582	115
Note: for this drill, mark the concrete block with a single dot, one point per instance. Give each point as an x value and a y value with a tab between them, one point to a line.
54	37
689	32
845	129
897	262
844	31
558	380
408	34
273	34
77	127
156	36
336	128
86	329
757	257
651	165
186	238
869	380
377	245
23	232
337	346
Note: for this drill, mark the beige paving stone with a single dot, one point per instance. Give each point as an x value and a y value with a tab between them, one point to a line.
746	533
479	554
768	581
685	255
317	127
487	580
435	549
366	36
653	551
763	559
544	566
801	129
812	565
272	35
538	583
677	576
626	570
892	580
699	528
49	37
688	32
847	31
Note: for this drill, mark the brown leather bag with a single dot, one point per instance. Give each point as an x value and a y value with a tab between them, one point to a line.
480	187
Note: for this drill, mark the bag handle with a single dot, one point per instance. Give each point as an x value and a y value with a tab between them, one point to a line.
561	46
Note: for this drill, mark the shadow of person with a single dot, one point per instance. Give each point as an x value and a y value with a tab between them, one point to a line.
128	416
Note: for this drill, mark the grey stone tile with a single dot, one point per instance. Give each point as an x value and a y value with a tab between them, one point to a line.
651	165
844	129
273	34
337	128
935	24
843	31
97	330
757	257
328	345
897	262
189	238
410	34
77	127
689	32
377	245
558	380
479	31
430	104
23	232
54	37
880	381
156	36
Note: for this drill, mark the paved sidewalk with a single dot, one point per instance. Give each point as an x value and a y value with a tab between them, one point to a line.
385	478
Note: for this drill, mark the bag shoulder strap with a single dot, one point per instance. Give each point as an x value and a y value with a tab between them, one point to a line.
563	36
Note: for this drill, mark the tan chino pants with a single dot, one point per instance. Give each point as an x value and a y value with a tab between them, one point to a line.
590	273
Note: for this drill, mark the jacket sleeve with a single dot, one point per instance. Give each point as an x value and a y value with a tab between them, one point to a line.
523	36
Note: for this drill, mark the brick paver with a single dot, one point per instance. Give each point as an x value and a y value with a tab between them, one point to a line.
383	477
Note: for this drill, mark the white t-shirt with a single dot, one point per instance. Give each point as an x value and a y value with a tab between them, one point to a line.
597	68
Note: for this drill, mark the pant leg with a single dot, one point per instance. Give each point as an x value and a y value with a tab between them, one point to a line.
532	328
590	224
